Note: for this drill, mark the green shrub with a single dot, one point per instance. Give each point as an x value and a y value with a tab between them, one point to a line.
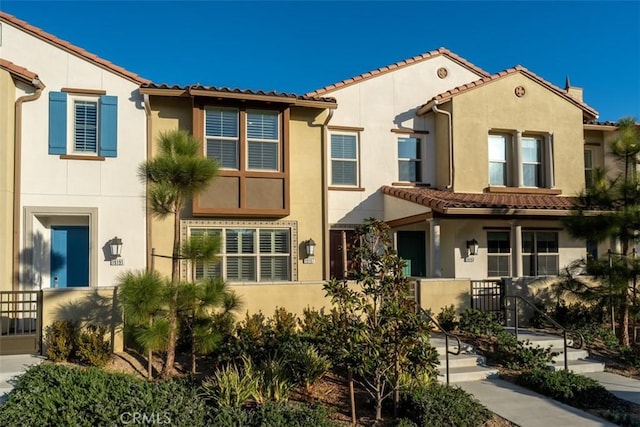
59	339
568	387
273	414
442	405
91	347
447	318
56	395
230	386
518	355
306	364
405	422
478	323
274	380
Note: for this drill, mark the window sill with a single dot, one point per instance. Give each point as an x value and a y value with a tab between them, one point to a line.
346	189
523	190
410	184
80	157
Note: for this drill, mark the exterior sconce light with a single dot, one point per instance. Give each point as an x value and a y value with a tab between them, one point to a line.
472	247
115	247
310	249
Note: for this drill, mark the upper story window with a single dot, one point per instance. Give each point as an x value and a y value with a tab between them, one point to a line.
344	159
499	254
221	133
532	162
498	167
588	168
517	160
409	159
261	138
540	253
83	124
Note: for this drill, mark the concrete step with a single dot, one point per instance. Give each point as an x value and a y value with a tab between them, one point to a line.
462	360
467	373
580	366
572	354
541	339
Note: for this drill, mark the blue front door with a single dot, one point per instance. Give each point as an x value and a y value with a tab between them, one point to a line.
69	256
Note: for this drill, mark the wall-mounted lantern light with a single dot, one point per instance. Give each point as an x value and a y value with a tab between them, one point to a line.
472	247
115	246
310	249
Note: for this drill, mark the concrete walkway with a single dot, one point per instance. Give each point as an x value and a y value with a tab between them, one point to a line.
13	366
527	408
622	387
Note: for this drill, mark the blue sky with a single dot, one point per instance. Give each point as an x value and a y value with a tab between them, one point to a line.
300	46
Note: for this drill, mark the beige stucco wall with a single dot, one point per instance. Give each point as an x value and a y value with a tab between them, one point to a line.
435	294
7	121
306	191
97	306
295	297
495	106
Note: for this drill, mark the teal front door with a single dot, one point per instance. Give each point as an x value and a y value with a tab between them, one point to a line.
411	249
69	256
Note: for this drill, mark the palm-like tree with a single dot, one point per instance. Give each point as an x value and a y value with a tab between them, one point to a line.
177	173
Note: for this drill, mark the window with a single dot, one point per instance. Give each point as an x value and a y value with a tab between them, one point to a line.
262	139
409	164
532	162
83	124
498	170
499	254
588	168
221	133
85	135
592	248
540	253
344	159
248	254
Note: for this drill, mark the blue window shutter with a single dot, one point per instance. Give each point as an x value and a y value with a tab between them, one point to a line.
57	123
108	126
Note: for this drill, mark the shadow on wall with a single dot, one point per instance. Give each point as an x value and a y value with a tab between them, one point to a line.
98	307
372	206
35	263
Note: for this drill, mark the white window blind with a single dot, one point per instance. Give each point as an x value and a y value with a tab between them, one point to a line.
409	163
221	132
344	159
85	127
263	140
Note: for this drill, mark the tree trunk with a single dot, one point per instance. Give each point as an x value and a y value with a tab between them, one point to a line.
625	324
352	398
193	349
150	365
167	369
378	405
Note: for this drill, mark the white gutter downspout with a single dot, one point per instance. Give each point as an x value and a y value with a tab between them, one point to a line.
148	218
448	114
17	170
325	197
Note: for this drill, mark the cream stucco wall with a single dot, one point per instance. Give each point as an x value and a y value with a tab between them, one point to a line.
98	307
435	294
379	104
7	117
495	106
110	186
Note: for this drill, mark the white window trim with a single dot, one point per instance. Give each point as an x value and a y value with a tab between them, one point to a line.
507	255
292	226
588	169
71	123
536	253
222	138
508	162
277	141
542	164
356	160
418	161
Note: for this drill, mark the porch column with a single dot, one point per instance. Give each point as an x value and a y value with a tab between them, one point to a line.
518	158
516	249
434	253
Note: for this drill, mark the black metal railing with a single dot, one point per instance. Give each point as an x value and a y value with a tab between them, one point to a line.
487	295
447	335
565	331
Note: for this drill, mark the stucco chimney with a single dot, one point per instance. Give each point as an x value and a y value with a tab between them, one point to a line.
576	92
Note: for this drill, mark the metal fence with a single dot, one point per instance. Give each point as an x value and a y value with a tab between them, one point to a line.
20	321
487	295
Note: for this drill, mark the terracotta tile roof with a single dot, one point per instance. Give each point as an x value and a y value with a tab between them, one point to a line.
401	64
442	201
446	96
226	90
37	32
18	71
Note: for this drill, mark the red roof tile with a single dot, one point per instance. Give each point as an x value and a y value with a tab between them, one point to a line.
441	201
37	32
224	90
446	96
18	71
382	70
